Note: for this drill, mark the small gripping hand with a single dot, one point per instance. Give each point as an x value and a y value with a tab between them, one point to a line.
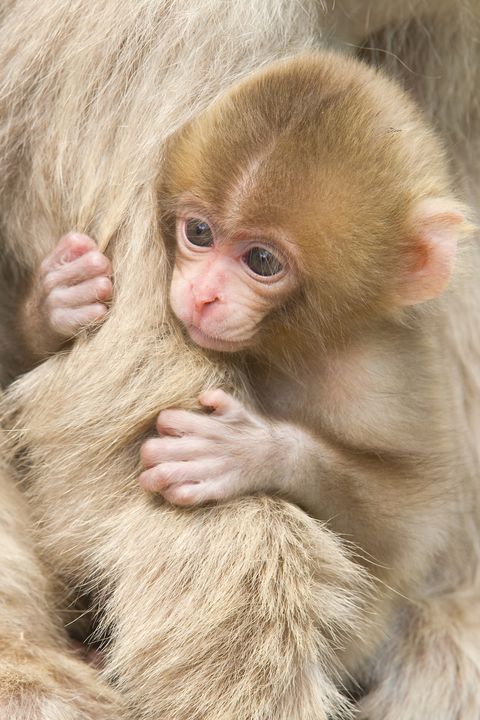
68	293
202	457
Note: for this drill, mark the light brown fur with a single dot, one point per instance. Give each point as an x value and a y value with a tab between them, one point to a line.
40	676
90	110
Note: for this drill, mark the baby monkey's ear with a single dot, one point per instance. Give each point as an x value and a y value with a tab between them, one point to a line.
436	226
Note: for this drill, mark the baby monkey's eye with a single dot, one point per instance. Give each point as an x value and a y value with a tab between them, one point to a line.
262	262
198	232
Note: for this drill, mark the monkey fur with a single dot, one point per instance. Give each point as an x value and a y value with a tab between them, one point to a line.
248	609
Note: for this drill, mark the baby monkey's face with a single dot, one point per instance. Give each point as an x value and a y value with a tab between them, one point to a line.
310	207
225	282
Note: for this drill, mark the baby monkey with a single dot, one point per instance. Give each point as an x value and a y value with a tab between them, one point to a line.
310	215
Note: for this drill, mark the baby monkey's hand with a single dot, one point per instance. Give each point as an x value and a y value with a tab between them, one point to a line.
201	457
67	294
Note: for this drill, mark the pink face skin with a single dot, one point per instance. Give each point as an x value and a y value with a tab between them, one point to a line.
222	287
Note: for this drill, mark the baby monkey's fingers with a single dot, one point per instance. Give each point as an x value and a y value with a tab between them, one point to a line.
167	475
185	422
220	402
173	448
189	494
70	247
90	265
67	322
67	293
204	490
97	289
73	284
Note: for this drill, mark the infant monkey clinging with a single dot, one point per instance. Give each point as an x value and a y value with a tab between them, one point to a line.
310	215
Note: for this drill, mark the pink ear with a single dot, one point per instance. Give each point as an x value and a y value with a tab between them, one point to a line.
436	226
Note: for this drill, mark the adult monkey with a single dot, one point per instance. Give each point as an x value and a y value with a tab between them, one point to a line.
88	96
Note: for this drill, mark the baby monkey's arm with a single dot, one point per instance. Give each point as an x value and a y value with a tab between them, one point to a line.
378	503
68	292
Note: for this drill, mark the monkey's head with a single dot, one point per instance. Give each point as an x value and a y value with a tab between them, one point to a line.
307	203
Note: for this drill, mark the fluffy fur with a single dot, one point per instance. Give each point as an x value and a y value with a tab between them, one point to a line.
249	610
40	677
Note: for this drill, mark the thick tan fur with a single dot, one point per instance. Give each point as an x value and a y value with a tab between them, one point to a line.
246	610
39	675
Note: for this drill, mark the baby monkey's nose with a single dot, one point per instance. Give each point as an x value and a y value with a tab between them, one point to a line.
204	295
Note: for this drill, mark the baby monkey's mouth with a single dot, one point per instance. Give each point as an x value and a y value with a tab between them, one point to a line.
210	342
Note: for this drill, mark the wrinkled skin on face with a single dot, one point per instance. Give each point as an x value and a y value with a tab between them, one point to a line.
223	286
